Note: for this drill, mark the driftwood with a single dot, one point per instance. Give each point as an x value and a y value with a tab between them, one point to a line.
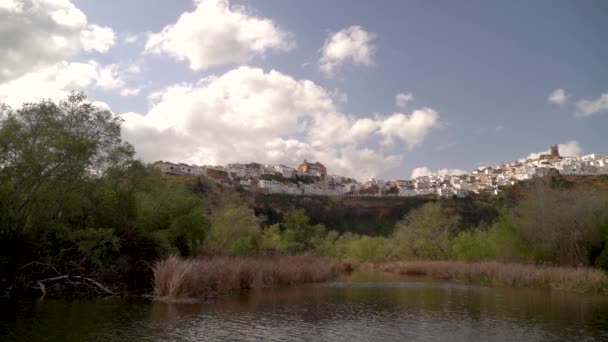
41	282
99	285
72	280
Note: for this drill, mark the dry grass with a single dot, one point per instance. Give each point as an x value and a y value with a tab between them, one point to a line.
582	279
186	279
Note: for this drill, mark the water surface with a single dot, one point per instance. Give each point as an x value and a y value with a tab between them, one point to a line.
355	309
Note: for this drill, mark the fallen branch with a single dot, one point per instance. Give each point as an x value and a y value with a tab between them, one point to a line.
99	285
41	282
54	278
42	288
41	264
68	279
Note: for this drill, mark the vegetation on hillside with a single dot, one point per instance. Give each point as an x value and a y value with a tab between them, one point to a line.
79	214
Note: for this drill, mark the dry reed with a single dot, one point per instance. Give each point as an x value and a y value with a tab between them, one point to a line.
178	279
581	279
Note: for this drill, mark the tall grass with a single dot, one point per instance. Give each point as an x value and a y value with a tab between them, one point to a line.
185	279
582	279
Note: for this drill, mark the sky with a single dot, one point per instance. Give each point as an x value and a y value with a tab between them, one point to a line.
386	89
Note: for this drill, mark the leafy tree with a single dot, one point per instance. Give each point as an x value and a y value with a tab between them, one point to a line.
272	240
426	232
233	230
560	225
498	242
47	150
299	234
73	197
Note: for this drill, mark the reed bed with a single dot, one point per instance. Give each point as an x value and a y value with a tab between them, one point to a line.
577	279
178	279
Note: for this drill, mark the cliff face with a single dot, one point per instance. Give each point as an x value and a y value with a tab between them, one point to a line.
378	215
363	215
371	215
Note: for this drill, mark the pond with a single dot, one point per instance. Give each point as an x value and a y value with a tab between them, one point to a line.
357	308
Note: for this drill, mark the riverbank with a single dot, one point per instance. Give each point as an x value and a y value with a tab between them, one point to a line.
574	279
177	279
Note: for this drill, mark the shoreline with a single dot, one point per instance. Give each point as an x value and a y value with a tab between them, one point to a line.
177	279
195	280
496	274
203	279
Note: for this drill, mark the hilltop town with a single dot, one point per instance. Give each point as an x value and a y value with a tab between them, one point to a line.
312	178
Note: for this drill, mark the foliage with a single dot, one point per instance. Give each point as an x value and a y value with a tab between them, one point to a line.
426	232
293	235
498	242
73	197
233	231
560	225
363	248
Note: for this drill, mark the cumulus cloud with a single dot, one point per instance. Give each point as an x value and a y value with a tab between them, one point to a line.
559	96
97	38
248	114
130	91
591	107
131	38
567	149
402	99
411	128
424	171
352	44
37	34
57	80
216	33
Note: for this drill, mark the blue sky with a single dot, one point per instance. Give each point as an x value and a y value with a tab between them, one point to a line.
480	73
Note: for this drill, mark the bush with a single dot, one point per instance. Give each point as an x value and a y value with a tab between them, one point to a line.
426	232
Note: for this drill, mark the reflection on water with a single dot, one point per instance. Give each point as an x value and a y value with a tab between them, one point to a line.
360	310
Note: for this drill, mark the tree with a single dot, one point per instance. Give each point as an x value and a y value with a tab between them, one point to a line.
48	149
52	158
560	225
426	232
234	230
73	197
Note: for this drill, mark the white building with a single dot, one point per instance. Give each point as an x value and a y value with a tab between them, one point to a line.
285	171
178	169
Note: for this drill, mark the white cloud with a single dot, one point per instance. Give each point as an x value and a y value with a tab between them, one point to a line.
108	77
101	105
567	149
591	107
97	38
37	34
216	33
450	172
424	171
352	44
133	69
402	99
247	114
13	6
337	128
130	91
57	80
131	38
559	96
411	128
